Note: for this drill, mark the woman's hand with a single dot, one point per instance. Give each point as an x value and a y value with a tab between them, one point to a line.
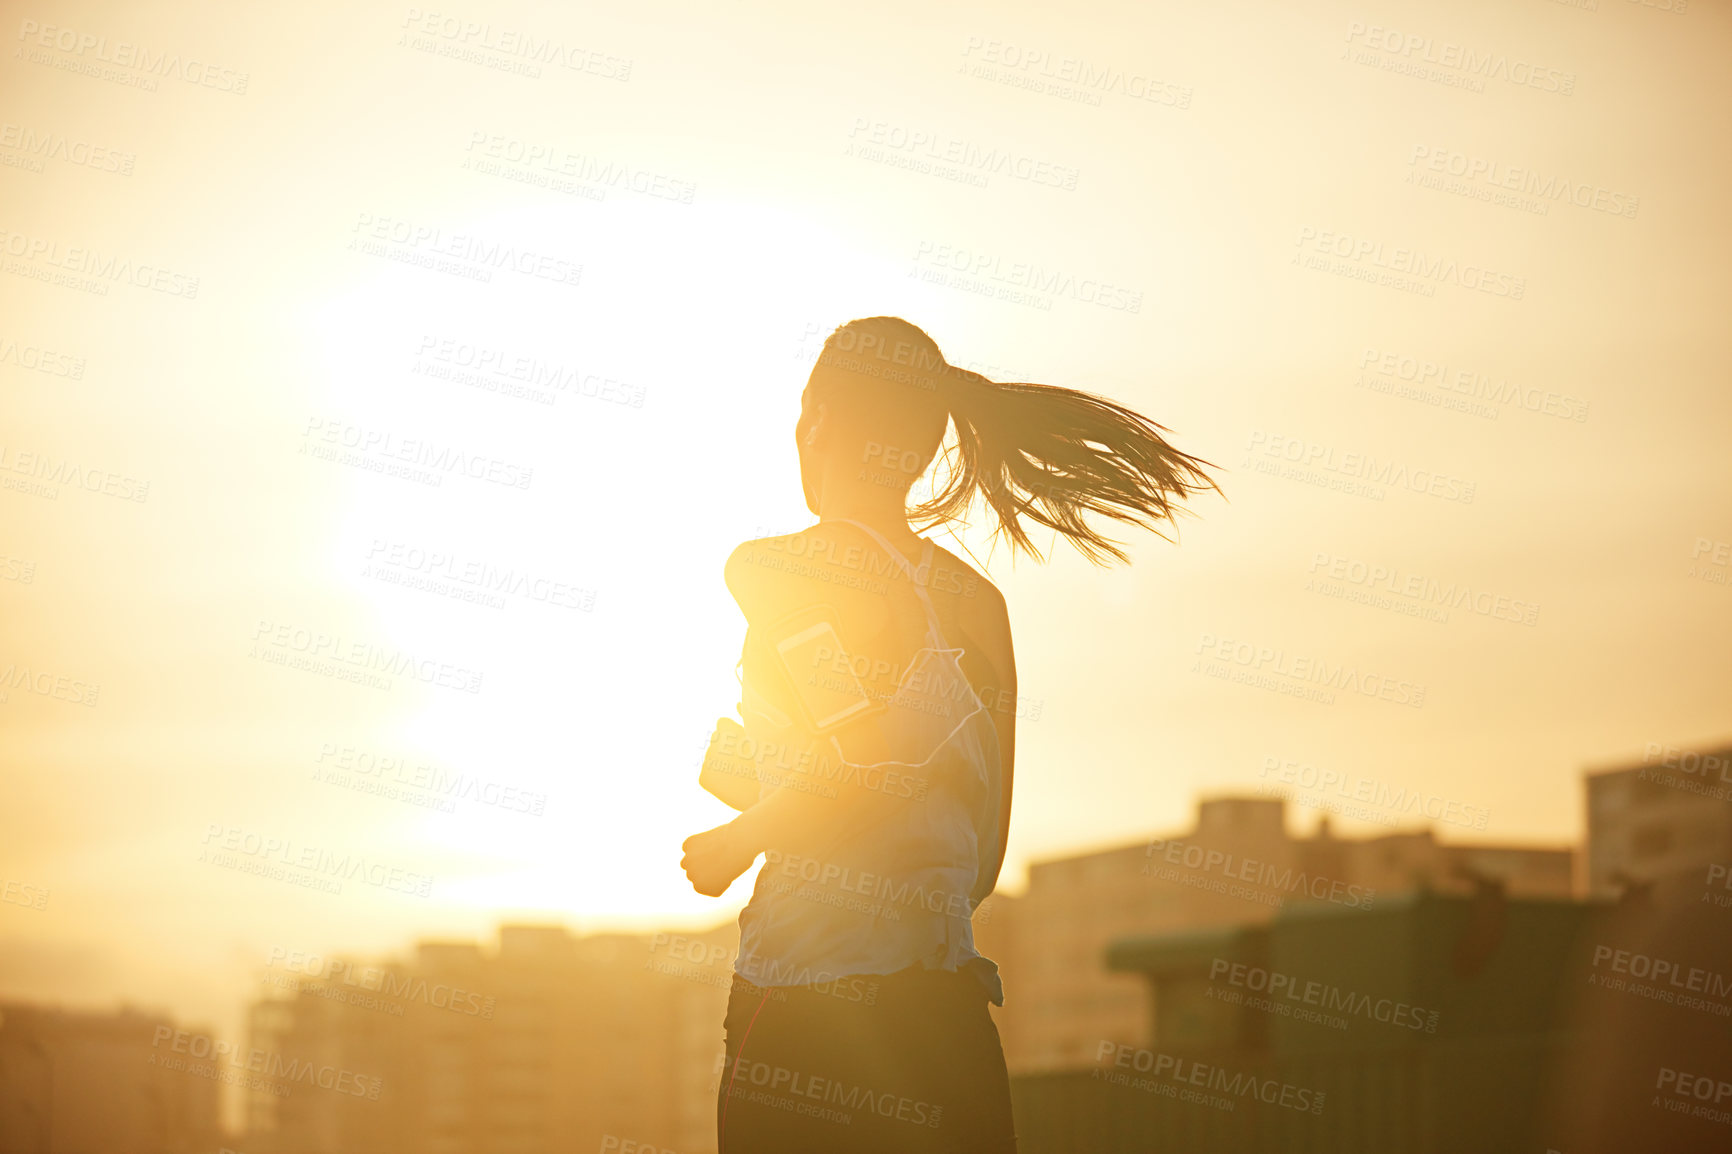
714	858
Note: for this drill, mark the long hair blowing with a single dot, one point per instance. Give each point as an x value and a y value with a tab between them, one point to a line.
1046	454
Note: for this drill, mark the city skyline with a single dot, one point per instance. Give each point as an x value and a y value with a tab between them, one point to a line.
264	974
1240	865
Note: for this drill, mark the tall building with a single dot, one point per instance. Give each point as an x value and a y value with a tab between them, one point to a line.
124	1081
551	1042
1668	813
1237	865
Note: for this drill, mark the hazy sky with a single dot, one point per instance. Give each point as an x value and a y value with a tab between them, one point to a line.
1513	209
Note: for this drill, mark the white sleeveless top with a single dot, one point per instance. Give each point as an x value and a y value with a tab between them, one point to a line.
902	891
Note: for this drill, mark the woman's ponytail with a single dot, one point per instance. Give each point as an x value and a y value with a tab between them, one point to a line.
1053	455
1050	454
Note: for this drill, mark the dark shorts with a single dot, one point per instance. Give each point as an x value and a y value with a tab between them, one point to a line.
898	1062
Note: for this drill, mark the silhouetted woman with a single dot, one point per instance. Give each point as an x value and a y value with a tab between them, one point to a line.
873	769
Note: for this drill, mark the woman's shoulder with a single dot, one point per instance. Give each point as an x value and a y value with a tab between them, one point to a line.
836	562
792	568
756	571
826	550
759	552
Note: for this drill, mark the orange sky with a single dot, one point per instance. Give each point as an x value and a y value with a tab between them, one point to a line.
692	196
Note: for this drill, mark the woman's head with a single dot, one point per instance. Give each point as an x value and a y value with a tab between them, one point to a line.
879	402
875	408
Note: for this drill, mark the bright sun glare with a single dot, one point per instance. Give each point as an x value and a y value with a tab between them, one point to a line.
604	712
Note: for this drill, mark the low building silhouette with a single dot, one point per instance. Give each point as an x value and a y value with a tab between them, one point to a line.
1237	865
1432	1022
78	1081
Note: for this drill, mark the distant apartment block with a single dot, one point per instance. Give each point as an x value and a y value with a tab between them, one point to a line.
121	1081
550	1042
1238	865
1667	813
